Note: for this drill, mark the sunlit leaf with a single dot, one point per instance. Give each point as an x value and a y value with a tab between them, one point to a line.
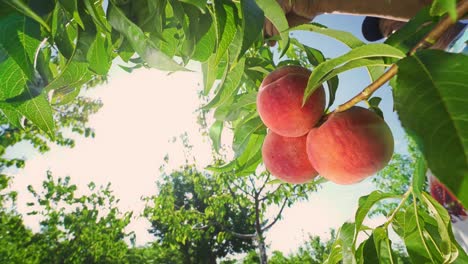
12	79
96	11
366	203
243	133
139	42
215	134
226	13
73	74
229	86
363	52
37	110
440	7
11	114
341	249
345	37
97	56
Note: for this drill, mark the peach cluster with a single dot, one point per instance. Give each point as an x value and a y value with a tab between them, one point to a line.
344	147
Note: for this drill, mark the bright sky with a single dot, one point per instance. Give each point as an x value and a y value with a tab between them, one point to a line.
144	110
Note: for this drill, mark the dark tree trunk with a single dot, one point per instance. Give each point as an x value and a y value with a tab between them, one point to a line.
212	260
186	253
258	230
262	249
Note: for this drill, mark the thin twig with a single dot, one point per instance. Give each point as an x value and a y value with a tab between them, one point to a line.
278	216
426	42
264	184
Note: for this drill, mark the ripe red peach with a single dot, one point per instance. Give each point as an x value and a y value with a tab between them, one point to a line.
279	102
286	158
350	145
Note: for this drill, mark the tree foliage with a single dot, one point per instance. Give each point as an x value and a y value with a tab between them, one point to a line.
208	216
74	228
190	212
79	228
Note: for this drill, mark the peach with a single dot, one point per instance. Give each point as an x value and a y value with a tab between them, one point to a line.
286	158
279	102
350	145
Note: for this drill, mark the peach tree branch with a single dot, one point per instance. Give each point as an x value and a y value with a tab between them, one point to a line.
429	40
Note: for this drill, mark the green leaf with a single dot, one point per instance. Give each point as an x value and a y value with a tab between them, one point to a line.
447	244
64	95
248	161
419	176
97	56
24	9
12	79
365	204
72	74
276	15
11	114
139	42
71	7
38	111
275	181
243	132
356	64
345	37
246	100
200	4
209	70
413	236
227	11
431	100
205	39
374	101
215	134
342	249
332	86
367	252
96	11
252	22
229	86
383	245
63	32
18	38
230	111
315	57
325	69
440	7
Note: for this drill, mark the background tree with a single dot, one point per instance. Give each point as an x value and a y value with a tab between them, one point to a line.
211	215
17	244
76	228
183	215
73	228
71	118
